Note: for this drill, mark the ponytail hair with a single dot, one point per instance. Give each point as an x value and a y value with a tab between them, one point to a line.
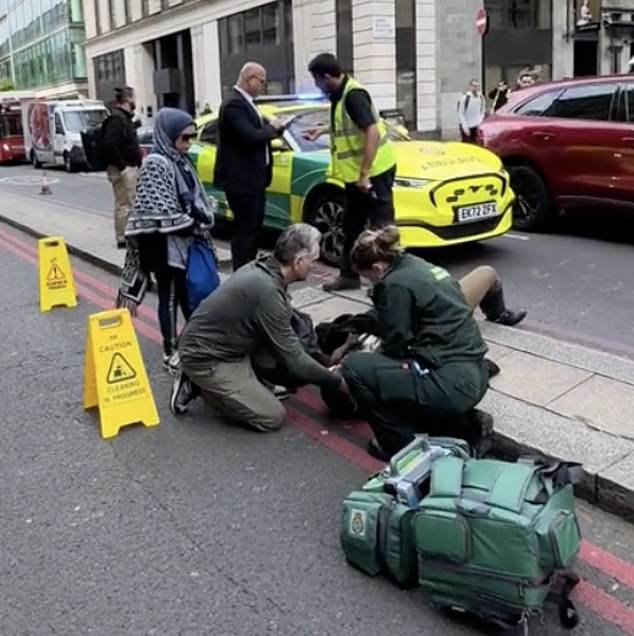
376	246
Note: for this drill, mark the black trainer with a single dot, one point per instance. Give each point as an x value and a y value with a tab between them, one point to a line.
342	283
182	395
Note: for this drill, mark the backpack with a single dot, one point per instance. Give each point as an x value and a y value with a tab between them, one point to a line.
376	527
496	539
92	140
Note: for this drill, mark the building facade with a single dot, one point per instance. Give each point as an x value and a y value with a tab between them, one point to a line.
414	55
41	47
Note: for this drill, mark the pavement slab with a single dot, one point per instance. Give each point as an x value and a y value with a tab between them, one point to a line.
602	403
615	487
535	379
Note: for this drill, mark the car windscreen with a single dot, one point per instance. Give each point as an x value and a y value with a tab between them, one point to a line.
78	120
10	126
312	117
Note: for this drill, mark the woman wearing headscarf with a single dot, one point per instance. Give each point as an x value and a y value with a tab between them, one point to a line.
170	210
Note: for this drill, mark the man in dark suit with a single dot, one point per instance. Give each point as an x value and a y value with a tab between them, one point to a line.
244	161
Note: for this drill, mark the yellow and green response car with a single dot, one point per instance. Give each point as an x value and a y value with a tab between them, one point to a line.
444	193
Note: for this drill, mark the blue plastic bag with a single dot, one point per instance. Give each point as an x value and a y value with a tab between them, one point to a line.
202	274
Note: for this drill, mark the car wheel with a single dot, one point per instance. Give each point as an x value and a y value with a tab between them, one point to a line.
325	212
36	164
533	207
69	165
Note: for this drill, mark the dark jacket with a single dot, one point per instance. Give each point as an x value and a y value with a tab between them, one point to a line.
249	312
244	140
422	313
120	141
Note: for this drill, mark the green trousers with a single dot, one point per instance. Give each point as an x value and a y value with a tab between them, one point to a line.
398	400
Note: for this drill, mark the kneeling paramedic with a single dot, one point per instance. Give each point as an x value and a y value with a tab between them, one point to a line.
248	316
431	367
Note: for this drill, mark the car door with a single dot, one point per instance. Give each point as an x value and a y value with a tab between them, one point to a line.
587	140
278	194
203	154
624	154
58	138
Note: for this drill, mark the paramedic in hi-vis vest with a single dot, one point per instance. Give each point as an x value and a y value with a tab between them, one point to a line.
362	157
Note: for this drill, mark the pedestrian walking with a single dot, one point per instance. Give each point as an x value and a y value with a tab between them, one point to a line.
244	161
170	211
362	157
123	157
471	111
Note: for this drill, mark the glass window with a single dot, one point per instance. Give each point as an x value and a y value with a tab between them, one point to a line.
59	128
584	102
629	91
345	55
520	14
270	17
209	135
252	31
236	34
406	60
78	120
10	125
537	106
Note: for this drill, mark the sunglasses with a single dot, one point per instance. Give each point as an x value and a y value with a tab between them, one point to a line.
188	137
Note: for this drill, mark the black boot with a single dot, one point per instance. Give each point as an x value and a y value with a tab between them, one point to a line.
343	283
492	368
495	310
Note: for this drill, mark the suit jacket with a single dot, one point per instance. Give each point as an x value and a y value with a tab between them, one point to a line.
244	140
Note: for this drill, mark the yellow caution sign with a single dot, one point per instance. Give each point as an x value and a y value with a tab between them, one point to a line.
57	287
115	380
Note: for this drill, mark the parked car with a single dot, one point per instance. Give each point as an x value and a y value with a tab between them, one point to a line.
444	193
566	144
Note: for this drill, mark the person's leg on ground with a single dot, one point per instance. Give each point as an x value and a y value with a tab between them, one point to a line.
234	389
121	203
483	287
355	217
167	311
246	210
381	205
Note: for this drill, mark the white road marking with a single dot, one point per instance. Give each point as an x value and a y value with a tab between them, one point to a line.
517	237
28	180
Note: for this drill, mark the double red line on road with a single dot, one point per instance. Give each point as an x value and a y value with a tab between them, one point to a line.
304	414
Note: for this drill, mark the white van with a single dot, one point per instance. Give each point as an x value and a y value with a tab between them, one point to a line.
52	130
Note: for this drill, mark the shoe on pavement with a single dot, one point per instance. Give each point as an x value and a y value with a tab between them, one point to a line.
342	283
481	425
492	367
121	245
182	395
510	318
376	451
172	363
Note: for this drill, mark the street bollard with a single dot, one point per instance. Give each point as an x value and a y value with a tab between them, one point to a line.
46	189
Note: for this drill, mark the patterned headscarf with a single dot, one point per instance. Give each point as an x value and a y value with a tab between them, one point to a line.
168	127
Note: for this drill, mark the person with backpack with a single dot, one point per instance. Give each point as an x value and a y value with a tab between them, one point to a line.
471	112
169	213
122	156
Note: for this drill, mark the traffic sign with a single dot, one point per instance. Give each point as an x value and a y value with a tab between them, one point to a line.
482	21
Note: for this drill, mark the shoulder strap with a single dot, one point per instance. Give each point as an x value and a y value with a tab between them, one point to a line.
446	477
510	486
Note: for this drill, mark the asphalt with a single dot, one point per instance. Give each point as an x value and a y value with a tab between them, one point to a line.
198	527
575	281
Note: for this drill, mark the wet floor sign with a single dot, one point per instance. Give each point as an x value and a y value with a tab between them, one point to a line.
57	287
115	380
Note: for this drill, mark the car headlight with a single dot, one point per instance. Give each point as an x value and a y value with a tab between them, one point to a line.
6	147
411	183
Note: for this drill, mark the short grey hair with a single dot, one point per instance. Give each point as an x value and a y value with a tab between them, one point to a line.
296	241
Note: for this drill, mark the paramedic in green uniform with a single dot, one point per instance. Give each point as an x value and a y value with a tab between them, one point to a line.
431	367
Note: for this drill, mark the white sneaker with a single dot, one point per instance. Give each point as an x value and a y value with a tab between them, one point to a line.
172	363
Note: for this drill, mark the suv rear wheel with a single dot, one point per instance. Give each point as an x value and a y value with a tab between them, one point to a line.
533	207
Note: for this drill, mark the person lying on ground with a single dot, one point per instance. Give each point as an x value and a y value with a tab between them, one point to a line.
249	318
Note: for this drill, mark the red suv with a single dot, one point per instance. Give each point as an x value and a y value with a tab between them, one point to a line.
566	144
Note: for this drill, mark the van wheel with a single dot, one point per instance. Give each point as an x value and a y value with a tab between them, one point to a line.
325	212
36	164
69	164
533	207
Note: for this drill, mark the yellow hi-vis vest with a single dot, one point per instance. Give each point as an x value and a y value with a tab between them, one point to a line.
346	142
